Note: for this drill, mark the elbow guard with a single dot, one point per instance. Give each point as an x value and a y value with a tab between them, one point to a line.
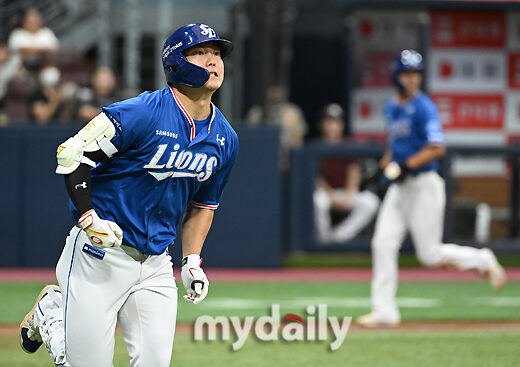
94	136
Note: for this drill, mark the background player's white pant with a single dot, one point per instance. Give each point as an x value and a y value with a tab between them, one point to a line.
137	291
363	207
416	205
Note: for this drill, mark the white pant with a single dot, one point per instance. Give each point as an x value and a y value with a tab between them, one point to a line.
416	205
363	206
125	286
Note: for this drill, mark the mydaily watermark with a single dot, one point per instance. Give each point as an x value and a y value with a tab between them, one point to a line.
314	326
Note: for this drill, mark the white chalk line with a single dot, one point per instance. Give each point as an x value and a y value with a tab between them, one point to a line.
350	302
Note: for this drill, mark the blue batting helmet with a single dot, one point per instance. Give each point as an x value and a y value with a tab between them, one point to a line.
177	68
407	60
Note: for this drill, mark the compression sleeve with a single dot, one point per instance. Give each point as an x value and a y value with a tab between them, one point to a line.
78	183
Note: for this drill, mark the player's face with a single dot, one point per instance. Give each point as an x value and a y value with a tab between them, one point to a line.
411	81
207	55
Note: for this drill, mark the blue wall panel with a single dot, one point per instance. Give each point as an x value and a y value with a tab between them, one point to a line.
46	218
10	211
34	217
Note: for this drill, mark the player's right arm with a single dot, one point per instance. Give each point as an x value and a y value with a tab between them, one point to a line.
75	158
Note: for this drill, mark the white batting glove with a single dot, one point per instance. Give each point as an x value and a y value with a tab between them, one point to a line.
101	233
194	279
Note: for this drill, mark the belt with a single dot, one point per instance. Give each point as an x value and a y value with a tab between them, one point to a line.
134	253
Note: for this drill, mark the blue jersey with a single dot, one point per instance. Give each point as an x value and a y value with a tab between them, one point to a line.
411	126
164	162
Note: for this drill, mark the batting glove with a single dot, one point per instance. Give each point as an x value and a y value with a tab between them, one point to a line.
194	279
101	233
396	172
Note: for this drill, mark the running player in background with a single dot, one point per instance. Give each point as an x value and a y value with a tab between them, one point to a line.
416	197
133	173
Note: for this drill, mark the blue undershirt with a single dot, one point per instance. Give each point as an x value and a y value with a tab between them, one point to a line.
199	124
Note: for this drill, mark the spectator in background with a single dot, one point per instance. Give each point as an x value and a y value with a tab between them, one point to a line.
337	192
51	102
280	112
32	40
9	67
101	94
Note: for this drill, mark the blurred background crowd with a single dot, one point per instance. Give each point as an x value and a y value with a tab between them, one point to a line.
43	83
315	72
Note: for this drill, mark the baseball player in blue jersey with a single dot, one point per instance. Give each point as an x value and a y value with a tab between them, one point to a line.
416	197
133	173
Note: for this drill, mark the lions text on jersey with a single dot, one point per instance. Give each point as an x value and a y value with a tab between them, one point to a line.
165	161
411	126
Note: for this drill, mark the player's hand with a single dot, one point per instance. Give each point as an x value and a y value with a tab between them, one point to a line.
396	172
194	279
101	233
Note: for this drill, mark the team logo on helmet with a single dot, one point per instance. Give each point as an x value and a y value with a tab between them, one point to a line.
206	30
411	58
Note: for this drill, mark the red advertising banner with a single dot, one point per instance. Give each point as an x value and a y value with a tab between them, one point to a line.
468	28
514	70
475	112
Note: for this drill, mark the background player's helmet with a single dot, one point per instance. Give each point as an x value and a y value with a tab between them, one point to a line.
407	60
176	67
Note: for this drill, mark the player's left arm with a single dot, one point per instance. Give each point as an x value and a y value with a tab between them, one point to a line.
397	172
429	153
430	127
195	228
197	222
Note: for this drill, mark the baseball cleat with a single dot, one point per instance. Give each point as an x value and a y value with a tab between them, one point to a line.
496	274
372	321
30	339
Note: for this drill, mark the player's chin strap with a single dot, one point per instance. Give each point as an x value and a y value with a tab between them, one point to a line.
94	136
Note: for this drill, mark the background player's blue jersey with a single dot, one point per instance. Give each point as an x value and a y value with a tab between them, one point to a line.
164	162
411	126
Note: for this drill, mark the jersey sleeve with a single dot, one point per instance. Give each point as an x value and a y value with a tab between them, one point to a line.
432	127
130	119
208	196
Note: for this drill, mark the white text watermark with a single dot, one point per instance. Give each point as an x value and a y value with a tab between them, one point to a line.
314	326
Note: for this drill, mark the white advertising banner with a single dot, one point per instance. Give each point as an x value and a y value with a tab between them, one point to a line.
367	110
513	112
467	70
386	30
513	31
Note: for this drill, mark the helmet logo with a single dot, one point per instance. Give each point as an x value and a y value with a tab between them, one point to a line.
411	58
206	30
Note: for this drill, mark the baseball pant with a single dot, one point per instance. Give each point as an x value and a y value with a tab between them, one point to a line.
416	205
363	206
122	285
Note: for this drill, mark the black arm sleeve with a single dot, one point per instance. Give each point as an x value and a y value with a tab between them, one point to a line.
78	183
